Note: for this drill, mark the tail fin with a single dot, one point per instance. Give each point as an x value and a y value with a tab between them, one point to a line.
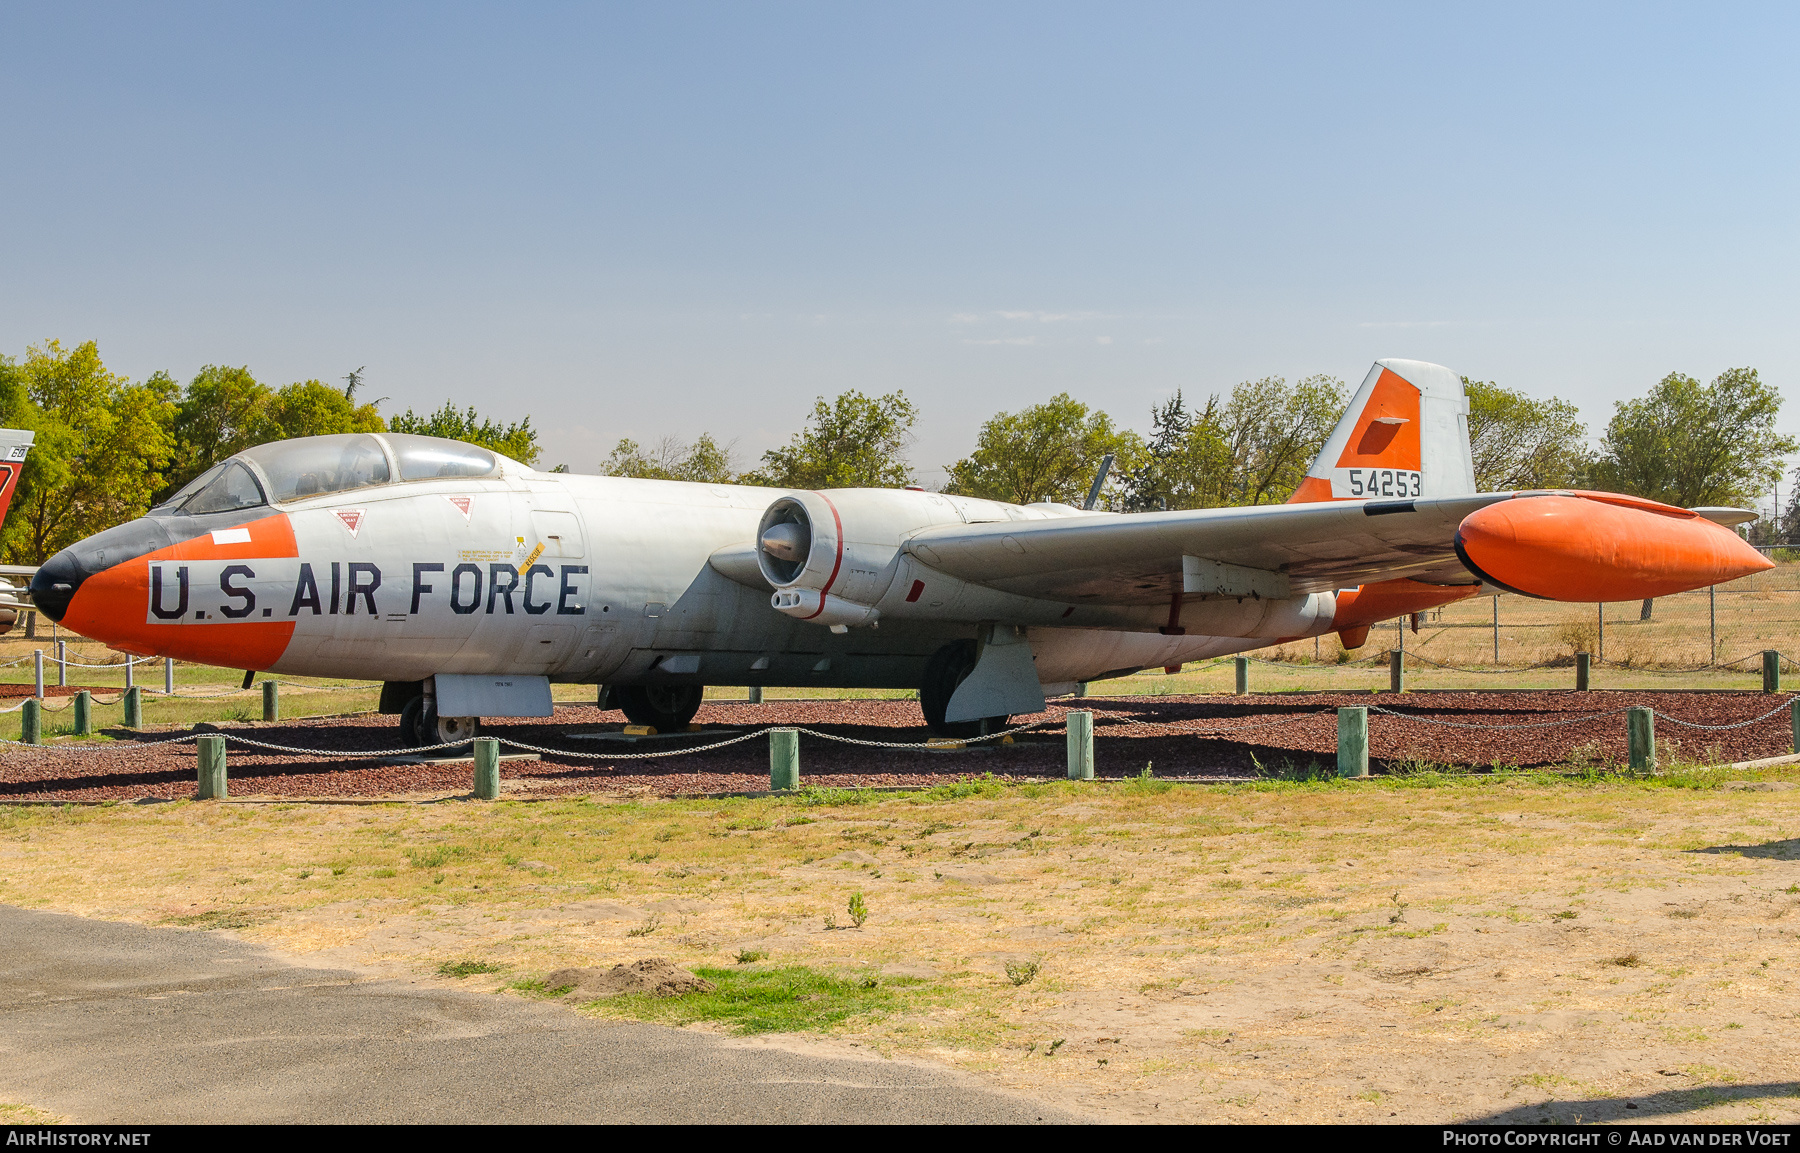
14	444
1405	434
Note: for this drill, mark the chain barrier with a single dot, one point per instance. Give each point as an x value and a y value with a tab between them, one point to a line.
942	742
68	702
1119	718
1780	708
638	756
109	747
1496	728
1381	658
254	743
690	750
103	665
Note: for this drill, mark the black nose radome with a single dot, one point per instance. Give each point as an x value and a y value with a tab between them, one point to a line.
54	585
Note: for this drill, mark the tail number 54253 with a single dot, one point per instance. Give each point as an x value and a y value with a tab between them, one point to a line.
1381	482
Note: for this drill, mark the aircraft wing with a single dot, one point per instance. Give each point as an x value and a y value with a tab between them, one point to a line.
1272	550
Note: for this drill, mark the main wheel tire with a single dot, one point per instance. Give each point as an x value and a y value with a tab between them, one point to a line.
948	668
665	708
411	734
436	730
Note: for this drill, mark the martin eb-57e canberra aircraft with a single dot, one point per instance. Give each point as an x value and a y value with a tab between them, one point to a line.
469	583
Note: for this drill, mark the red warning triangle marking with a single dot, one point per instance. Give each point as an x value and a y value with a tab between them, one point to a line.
352	518
463	504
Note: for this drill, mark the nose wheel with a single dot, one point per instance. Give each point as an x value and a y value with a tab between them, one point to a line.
420	725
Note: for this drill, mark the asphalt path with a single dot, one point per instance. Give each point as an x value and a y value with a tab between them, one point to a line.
113	1023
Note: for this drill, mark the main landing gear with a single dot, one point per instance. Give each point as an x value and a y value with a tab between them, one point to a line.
665	708
948	668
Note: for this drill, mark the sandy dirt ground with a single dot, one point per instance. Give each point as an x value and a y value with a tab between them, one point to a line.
1428	949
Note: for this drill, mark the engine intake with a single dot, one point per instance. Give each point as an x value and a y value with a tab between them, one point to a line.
784	541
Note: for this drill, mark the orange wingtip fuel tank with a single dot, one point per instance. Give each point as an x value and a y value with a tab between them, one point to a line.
1600	546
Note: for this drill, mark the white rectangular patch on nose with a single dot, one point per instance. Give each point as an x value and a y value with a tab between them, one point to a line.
231	536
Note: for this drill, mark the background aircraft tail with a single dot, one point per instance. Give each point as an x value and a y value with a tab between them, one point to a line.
1405	434
14	444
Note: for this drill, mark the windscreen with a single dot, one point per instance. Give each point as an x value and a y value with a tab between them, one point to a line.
231	488
174	503
312	465
425	457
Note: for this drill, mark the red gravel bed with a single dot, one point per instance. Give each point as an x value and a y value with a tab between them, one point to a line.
28	689
1178	736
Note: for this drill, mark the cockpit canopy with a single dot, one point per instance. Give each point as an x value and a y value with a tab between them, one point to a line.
290	470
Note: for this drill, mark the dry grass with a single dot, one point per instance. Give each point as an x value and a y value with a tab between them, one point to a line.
1425	949
28	1115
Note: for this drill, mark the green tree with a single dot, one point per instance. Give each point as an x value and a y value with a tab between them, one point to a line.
1047	452
673	459
855	441
1185	465
1689	444
1250	448
1273	430
312	408
1520	443
517	440
224	411
100	444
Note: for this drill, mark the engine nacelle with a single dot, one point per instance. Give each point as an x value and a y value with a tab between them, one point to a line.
832	556
844	543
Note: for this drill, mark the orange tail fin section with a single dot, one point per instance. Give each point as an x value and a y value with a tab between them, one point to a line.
1405	434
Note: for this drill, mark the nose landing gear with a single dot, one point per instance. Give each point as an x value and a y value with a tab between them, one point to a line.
420	725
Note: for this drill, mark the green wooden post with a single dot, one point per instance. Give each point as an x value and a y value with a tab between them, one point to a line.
1081	744
487	768
1794	717
1640	725
134	707
84	714
1353	742
1241	666
784	759
271	700
755	694
1396	670
1584	663
31	721
211	748
1771	671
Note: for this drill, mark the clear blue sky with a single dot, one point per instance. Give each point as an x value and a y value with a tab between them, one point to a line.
631	220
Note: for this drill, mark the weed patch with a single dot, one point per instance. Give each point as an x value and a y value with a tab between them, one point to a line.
792	998
468	968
